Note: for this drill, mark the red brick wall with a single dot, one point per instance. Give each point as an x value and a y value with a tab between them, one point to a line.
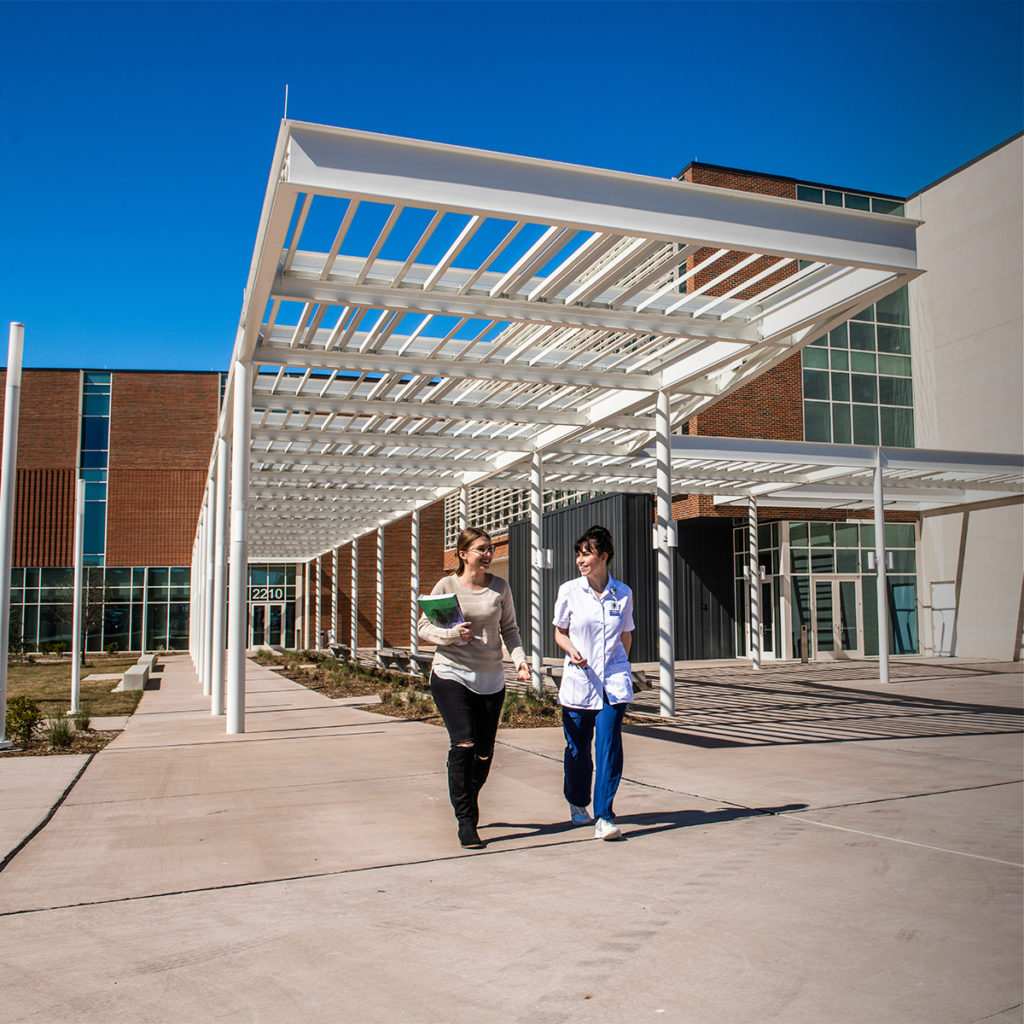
161	435
397	579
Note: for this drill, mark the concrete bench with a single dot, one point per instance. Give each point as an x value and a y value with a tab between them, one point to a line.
135	678
394	657
148	661
423	663
341	651
641	681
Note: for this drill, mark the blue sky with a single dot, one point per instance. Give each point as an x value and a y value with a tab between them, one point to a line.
137	137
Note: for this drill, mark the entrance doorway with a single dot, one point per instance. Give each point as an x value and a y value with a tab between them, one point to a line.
837	622
265	624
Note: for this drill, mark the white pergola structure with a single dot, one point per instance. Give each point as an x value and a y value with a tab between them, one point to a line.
421	318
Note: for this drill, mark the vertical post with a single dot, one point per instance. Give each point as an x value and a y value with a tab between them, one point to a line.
881	583
334	595
318	617
666	652
238	588
76	613
754	585
219	595
380	591
537	569
8	469
305	608
354	606
463	508
414	572
208	598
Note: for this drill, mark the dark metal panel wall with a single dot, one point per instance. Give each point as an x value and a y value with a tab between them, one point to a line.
703	574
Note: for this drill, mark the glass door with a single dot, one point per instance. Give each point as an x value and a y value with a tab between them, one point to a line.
257	625
837	621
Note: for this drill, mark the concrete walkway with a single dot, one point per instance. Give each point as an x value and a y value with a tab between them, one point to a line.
802	847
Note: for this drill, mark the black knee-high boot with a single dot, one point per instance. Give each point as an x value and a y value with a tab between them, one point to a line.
481	768
462	793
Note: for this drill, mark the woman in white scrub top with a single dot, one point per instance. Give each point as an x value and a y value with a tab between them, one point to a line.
594	626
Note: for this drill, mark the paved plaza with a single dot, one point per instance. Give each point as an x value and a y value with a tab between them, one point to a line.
802	846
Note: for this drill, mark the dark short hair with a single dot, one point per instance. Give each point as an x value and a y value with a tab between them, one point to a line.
598	540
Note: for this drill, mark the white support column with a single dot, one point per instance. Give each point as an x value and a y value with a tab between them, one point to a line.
300	604
199	581
881	584
537	569
76	614
8	474
238	608
209	553
318	616
219	596
334	595
666	652
414	571
463	508
380	590
354	605
753	586
305	606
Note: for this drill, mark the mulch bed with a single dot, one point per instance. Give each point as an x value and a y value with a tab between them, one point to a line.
81	743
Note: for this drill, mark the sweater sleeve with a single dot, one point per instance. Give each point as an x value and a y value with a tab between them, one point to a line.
510	629
428	632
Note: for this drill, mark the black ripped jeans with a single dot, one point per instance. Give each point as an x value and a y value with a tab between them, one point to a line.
472	723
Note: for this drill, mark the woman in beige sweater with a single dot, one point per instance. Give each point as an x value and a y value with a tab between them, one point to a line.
467	680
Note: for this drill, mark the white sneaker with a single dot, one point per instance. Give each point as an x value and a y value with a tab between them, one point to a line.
580	815
606	830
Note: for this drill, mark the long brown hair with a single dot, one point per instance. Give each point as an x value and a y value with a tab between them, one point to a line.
467	537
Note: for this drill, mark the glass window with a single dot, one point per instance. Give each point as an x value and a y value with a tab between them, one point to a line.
889	206
31	577
864	388
846	535
177	627
842	432
93	530
94	432
180	576
821	535
855	202
94	460
840	337
862	336
808	194
840	359
897	427
899	535
94	475
865	424
816	358
817	421
894	339
95	404
895	391
833	198
800	560
896	366
840	387
158	577
862	362
823	560
815	384
93	377
895	308
798	534
867	313
847	560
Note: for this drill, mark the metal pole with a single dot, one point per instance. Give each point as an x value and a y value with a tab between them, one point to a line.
463	508
209	553
319	603
666	653
880	567
8	469
219	593
334	595
238	588
380	591
354	605
537	569
414	559
305	608
76	614
754	585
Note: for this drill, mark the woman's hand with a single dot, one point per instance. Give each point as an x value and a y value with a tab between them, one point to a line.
523	673
577	659
465	633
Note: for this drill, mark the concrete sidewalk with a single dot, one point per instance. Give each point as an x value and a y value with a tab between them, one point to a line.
808	849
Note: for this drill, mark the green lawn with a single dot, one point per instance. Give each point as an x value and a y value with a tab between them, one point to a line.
49	685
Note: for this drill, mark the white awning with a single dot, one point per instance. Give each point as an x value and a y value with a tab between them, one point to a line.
420	317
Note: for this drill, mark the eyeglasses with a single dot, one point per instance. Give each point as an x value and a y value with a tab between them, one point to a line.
488	550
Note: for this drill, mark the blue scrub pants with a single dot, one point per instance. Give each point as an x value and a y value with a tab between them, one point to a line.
604	728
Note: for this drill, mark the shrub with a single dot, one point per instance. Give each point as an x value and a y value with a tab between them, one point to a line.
60	731
23	718
113	647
